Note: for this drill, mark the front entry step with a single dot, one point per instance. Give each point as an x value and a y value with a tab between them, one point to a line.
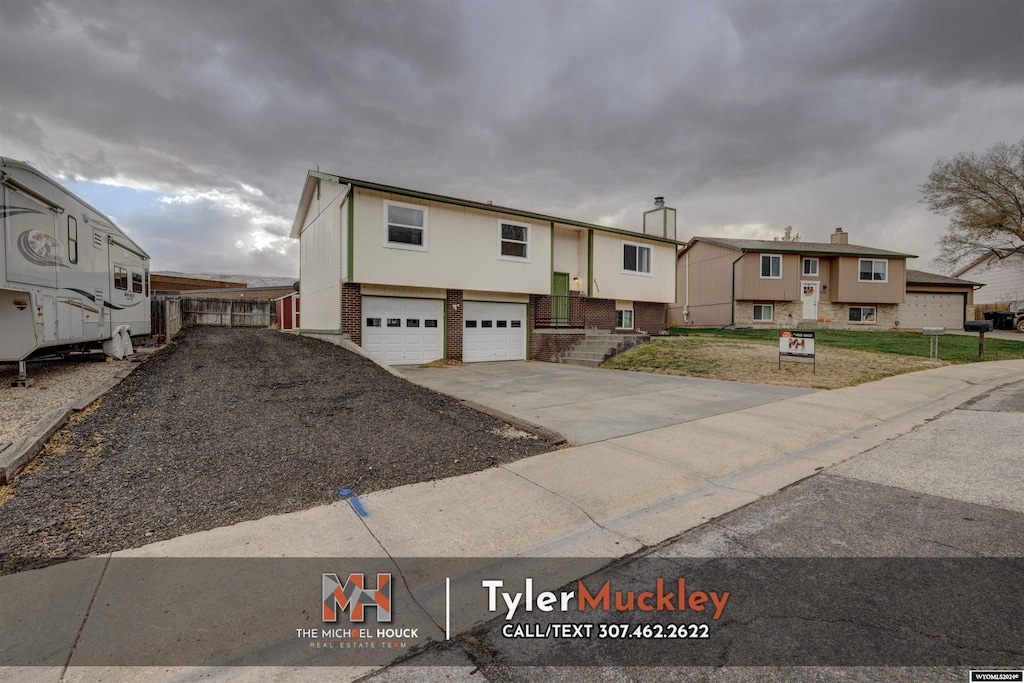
598	346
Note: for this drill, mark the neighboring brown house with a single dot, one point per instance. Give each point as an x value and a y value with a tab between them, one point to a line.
174	284
765	283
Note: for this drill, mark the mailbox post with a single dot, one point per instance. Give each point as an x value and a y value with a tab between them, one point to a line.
981	327
933	334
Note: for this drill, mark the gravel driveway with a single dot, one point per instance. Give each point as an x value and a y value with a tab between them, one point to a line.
230	425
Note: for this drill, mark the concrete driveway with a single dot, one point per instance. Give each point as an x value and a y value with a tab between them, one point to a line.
592	404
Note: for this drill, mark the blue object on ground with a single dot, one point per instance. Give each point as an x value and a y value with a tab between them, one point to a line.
358	507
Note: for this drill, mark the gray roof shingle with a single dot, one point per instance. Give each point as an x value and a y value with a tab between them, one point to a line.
920	277
801	247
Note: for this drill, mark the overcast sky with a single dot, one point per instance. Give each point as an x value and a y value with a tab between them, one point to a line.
193	124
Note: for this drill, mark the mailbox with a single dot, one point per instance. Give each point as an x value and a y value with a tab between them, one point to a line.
933	331
978	326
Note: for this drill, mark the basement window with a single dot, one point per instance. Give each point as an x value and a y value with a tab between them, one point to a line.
763	312
862	314
624	319
405	226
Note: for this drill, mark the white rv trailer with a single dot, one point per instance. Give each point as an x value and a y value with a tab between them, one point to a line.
69	277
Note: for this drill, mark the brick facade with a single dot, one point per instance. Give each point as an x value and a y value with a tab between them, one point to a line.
831	316
650	317
352	311
453	310
549	345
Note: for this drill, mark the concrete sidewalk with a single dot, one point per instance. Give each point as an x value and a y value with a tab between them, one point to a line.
600	500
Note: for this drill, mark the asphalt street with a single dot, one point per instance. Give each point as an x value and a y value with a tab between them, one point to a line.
947	494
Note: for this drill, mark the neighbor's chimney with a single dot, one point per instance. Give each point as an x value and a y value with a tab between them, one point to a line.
659	202
840	237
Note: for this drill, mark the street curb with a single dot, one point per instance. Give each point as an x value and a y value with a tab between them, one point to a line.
18	454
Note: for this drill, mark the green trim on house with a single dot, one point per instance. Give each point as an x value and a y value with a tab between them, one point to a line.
590	263
351	234
443	199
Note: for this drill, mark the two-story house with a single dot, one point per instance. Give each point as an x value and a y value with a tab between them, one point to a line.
781	284
413	277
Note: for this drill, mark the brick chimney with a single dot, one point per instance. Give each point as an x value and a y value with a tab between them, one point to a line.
840	237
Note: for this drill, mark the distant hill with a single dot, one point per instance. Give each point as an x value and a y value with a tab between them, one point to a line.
249	280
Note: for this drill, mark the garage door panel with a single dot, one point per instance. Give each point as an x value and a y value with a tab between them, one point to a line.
932	310
494	331
403	331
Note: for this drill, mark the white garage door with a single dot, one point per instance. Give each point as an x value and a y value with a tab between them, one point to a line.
493	332
932	310
403	331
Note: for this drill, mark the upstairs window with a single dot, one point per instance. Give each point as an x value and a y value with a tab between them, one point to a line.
811	267
771	266
636	258
874	270
405	226
515	240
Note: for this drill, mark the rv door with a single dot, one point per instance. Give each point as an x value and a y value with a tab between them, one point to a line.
33	251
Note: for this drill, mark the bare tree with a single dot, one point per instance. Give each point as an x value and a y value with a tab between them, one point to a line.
788	236
984	198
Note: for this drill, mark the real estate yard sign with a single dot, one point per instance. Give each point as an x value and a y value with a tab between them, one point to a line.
797	344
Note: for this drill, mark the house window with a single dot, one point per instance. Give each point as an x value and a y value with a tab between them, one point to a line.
874	270
72	239
405	226
771	266
763	312
137	282
120	278
624	319
636	258
811	266
515	240
862	314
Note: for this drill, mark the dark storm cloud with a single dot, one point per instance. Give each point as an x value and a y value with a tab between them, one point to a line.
748	115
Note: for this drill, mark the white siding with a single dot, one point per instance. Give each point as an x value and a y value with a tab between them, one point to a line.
463	250
1003	279
322	258
612	283
567	254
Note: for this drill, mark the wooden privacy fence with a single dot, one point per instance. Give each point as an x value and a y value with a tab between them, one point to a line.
165	315
227	312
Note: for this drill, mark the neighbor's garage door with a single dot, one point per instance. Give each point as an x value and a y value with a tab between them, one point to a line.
932	310
403	331
493	332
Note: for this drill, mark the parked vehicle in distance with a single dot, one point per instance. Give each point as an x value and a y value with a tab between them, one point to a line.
70	279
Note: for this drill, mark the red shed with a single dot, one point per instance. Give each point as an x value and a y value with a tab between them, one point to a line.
288	311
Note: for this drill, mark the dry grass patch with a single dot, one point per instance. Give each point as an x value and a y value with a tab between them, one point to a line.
758	362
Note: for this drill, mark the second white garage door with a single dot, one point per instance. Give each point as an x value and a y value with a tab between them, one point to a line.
403	331
493	331
932	310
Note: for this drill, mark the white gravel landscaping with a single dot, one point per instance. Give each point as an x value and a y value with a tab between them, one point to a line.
54	383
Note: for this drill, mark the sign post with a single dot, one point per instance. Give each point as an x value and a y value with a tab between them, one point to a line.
793	344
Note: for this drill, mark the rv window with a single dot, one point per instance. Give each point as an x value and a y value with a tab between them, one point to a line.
147	283
120	278
72	239
137	282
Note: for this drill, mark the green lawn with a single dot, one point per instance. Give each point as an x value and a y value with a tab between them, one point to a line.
952	347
